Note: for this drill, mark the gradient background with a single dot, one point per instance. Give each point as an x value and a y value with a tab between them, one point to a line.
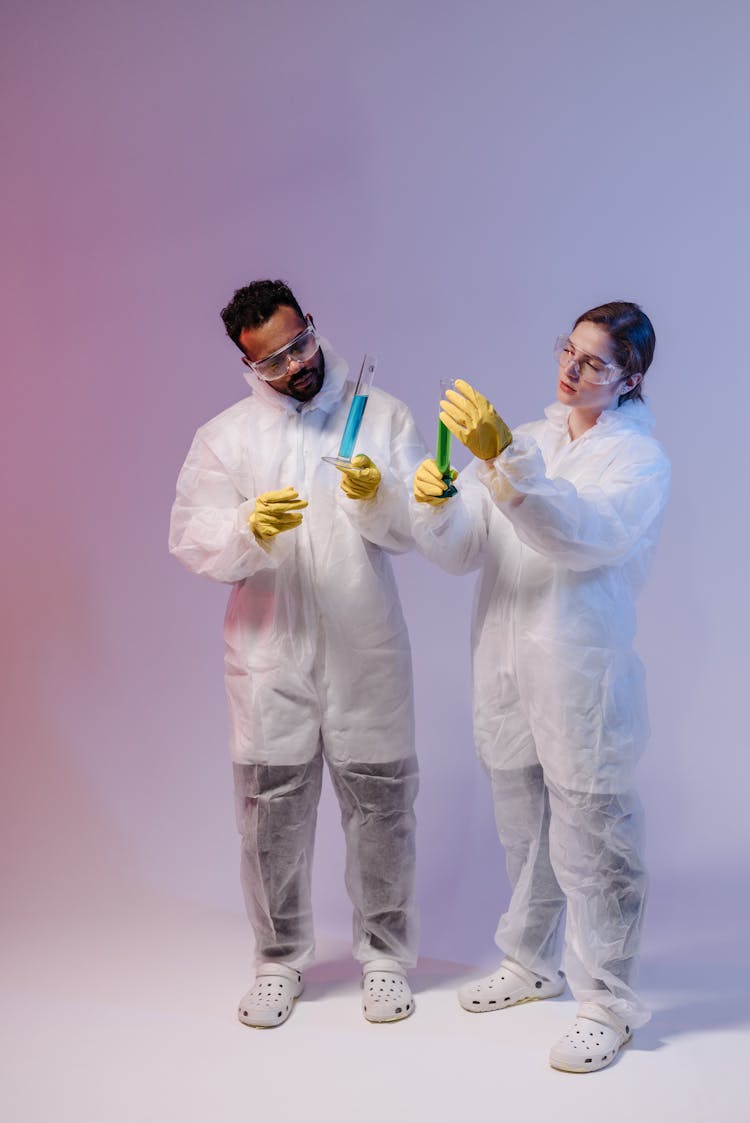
446	184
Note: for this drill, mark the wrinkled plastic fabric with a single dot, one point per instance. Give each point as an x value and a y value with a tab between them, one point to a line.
276	809
317	655
581	850
564	534
316	643
556	679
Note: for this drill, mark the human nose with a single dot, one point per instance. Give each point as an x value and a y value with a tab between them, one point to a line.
570	365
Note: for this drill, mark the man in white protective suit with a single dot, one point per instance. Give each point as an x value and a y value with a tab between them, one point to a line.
562	517
317	654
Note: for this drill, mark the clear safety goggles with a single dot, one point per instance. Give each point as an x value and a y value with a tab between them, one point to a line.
298	350
590	368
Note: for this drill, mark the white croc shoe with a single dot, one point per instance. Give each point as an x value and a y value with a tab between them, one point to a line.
593	1041
386	996
269	1001
510	985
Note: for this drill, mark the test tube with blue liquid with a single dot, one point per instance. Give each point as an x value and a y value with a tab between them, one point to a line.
356	413
443	446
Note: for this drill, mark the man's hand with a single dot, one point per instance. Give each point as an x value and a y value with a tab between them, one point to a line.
276	511
429	485
473	419
361	479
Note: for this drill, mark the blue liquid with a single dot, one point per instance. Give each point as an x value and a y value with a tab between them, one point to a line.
353	422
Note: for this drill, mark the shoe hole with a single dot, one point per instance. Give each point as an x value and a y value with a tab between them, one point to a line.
587	1061
493	1002
398	1010
537	985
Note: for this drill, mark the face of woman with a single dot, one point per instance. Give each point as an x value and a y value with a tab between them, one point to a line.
591	349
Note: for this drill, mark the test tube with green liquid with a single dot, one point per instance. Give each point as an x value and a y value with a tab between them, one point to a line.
356	412
443	446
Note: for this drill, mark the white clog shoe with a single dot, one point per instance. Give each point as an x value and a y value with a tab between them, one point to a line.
510	985
386	995
593	1041
269	1001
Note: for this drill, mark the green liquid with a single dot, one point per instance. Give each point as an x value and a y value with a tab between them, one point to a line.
443	449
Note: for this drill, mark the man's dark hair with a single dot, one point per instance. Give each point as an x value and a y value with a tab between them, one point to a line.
632	336
252	306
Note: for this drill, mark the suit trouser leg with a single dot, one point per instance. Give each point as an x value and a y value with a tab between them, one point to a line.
530	931
595	847
276	808
377	814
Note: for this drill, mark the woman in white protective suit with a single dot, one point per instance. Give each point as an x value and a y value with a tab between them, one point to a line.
562	516
317	654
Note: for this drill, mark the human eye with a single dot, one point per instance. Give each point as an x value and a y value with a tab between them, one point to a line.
273	366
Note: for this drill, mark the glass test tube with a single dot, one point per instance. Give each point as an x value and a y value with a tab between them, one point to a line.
356	412
443	444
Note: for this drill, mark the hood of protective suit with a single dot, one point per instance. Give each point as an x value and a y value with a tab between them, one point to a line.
634	415
336	370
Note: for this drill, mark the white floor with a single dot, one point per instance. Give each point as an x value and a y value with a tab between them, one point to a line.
133	1021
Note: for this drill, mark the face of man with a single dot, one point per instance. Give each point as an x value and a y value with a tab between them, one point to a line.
296	379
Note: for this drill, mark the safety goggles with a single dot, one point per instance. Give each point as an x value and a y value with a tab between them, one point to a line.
298	350
590	368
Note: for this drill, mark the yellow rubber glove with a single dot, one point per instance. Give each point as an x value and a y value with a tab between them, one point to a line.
473	419
361	479
276	511
429	485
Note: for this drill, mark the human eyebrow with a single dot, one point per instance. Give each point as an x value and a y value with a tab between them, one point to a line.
586	358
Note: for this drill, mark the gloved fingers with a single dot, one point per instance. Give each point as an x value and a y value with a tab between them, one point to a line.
274	506
428	470
359	464
428	487
478	401
353	492
461	401
283	495
460	409
429	484
283	519
459	429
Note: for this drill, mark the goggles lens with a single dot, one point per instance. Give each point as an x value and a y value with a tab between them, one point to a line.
301	348
589	367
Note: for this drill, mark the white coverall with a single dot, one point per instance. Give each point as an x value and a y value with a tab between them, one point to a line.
560	713
317	655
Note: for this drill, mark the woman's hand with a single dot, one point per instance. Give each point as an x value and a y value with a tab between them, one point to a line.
472	418
429	485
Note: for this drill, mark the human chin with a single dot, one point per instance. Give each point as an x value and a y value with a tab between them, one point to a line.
306	383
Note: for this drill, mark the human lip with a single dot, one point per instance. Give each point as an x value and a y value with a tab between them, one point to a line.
302	377
567	387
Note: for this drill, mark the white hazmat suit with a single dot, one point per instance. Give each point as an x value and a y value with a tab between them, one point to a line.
564	532
317	655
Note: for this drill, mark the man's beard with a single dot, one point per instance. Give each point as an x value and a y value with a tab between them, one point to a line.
306	383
